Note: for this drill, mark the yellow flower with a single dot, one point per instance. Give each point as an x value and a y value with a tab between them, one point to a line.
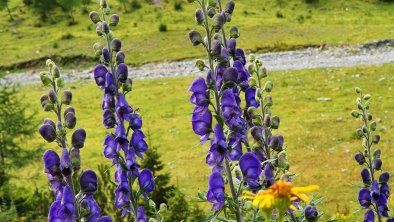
280	196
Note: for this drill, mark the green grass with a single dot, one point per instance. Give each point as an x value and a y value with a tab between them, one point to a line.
319	135
328	22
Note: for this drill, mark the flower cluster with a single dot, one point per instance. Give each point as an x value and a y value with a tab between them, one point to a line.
375	193
123	149
229	78
67	206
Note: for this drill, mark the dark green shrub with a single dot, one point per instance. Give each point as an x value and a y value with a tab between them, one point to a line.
162	28
177	6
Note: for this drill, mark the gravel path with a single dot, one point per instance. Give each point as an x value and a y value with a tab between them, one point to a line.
373	53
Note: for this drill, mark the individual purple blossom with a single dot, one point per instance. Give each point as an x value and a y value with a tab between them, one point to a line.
110	86
146	181
135	121
122	72
122	192
131	163
65	163
251	169
48	132
88	182
216	193
364	197
243	75
63	210
269	177
51	162
138	143
218	148
236	148
108	101
202	123
99	75
121	139
141	215
78	138
110	151
369	216
109	120
200	96
311	213
123	109
250	98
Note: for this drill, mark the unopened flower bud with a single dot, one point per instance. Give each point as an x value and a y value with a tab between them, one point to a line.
263	71
116	45
252	82
44	99
163	207
69	110
55	71
52	96
276	142
384	177
311	214
84	208
232	45
128	85
268	100
376	139
251	111
367	97
67	97
65	163
282	160
88	182
122	72
120	57
59	82
218	21
267	120
99	28
355	114
50	122
229	8
152	219
358	90
257	133
45	79
211	12
70	120
105	27
373	126
103	4
268	86
94	16
106	54
369	116
230	75
59	128
275	122
376	154
195	37
114	20
49	63
78	138
360	158
366	177
200	64
360	106
199	17
365	129
252	58
216	48
377	164
75	159
234	33
359	132
152	204
248	205
47	132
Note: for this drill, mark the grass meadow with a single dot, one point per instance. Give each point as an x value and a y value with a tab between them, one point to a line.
319	135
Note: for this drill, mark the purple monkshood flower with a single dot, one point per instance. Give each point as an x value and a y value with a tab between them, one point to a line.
250	98
122	192
141	215
251	169
109	120
121	139
218	149
269	177
131	163
135	121
88	182
146	181
110	86
202	123
364	197
311	213
51	162
99	75
236	148
200	96
216	193
138	143
123	109
232	113
108	101
63	210
110	148
369	216
240	56
65	163
243	75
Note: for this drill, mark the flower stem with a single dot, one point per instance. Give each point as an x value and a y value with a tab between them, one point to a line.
233	192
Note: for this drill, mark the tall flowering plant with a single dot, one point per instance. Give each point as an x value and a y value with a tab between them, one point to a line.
127	142
244	151
374	194
68	205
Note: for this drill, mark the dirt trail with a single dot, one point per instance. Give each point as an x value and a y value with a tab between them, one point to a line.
374	53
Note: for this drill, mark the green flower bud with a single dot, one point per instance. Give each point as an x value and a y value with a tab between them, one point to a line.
359	132
218	22
55	71
67	97
75	158
114	20
95	17
59	128
44	99
358	90
152	219
365	130
128	85
201	65
263	72
97	46
163	207
369	116
252	82
275	121
268	100
252	58
49	63
211	12
152	204
373	126
45	79
52	96
234	33
259	94
103	4
248	205
367	97
59	82
268	86
360	106
376	139
195	37
282	160
251	111
367	104
48	107
355	114
99	28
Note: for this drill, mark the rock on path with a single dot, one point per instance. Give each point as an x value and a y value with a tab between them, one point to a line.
374	53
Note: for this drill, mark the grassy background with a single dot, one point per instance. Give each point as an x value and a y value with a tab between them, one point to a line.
319	135
337	22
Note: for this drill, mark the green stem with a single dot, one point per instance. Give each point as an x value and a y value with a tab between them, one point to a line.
232	189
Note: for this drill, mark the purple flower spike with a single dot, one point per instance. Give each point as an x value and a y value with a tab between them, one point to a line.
51	162
110	84
202	123
141	215
250	97
364	197
65	163
251	169
99	75
369	216
145	181
216	193
88	182
138	143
